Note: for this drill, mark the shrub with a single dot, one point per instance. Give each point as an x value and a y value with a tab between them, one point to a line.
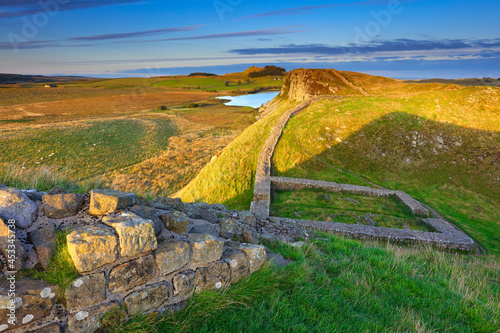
162	108
192	105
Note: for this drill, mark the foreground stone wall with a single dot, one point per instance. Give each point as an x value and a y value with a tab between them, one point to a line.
130	253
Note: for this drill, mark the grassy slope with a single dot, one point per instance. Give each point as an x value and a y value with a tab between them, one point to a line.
88	148
229	179
341	285
438	143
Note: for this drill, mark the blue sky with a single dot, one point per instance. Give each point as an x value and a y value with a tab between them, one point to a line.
395	38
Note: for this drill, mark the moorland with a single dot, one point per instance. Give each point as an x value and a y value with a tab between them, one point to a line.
169	136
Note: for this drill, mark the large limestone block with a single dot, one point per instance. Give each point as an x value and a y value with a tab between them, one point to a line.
256	255
171	255
10	246
148	213
33	300
205	248
89	320
204	229
15	205
131	274
92	247
176	221
63	205
214	276
238	264
147	299
170	203
248	218
201	211
85	291
183	284
44	241
109	201
136	234
229	228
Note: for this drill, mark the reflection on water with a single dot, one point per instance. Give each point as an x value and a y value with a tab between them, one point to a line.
252	100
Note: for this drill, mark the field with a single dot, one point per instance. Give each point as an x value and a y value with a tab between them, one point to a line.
317	205
129	134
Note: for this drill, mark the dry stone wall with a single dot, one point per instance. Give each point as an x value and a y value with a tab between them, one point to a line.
130	254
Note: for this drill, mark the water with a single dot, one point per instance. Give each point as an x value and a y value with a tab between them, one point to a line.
252	100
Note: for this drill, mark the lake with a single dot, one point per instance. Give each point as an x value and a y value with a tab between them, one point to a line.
252	100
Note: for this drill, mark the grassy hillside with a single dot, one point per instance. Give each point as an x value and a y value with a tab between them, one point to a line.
229	179
440	147
340	285
439	143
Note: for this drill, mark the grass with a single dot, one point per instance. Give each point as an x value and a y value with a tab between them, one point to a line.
61	270
342	285
90	148
318	205
217	83
443	158
229	178
45	178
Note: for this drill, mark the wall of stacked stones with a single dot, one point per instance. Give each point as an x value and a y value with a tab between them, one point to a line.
131	254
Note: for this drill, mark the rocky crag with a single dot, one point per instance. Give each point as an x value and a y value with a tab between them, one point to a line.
142	256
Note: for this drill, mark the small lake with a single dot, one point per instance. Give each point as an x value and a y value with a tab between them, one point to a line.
252	100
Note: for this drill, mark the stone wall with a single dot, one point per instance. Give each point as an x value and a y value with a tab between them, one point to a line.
445	235
130	253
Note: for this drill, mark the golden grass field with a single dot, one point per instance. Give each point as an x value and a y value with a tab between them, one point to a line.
137	135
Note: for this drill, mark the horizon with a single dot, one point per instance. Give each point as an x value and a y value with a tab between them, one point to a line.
403	39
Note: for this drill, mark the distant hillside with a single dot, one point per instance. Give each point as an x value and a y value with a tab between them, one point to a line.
462	82
32	79
437	142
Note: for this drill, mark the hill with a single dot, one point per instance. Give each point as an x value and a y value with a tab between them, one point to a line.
437	142
32	79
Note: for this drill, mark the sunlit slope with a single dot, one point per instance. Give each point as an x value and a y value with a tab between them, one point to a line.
440	145
229	178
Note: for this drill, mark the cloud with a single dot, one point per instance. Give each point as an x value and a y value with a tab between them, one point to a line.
94	38
252	33
308	9
135	34
28	7
395	45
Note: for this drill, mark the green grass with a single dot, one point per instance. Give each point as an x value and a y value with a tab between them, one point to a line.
318	205
230	178
218	84
341	285
61	270
45	178
394	142
88	148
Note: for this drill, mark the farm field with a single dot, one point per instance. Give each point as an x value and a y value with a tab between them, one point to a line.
119	133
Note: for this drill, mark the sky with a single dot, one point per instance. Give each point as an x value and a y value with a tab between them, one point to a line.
413	39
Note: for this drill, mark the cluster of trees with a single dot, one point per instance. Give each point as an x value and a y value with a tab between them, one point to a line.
268	70
202	74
